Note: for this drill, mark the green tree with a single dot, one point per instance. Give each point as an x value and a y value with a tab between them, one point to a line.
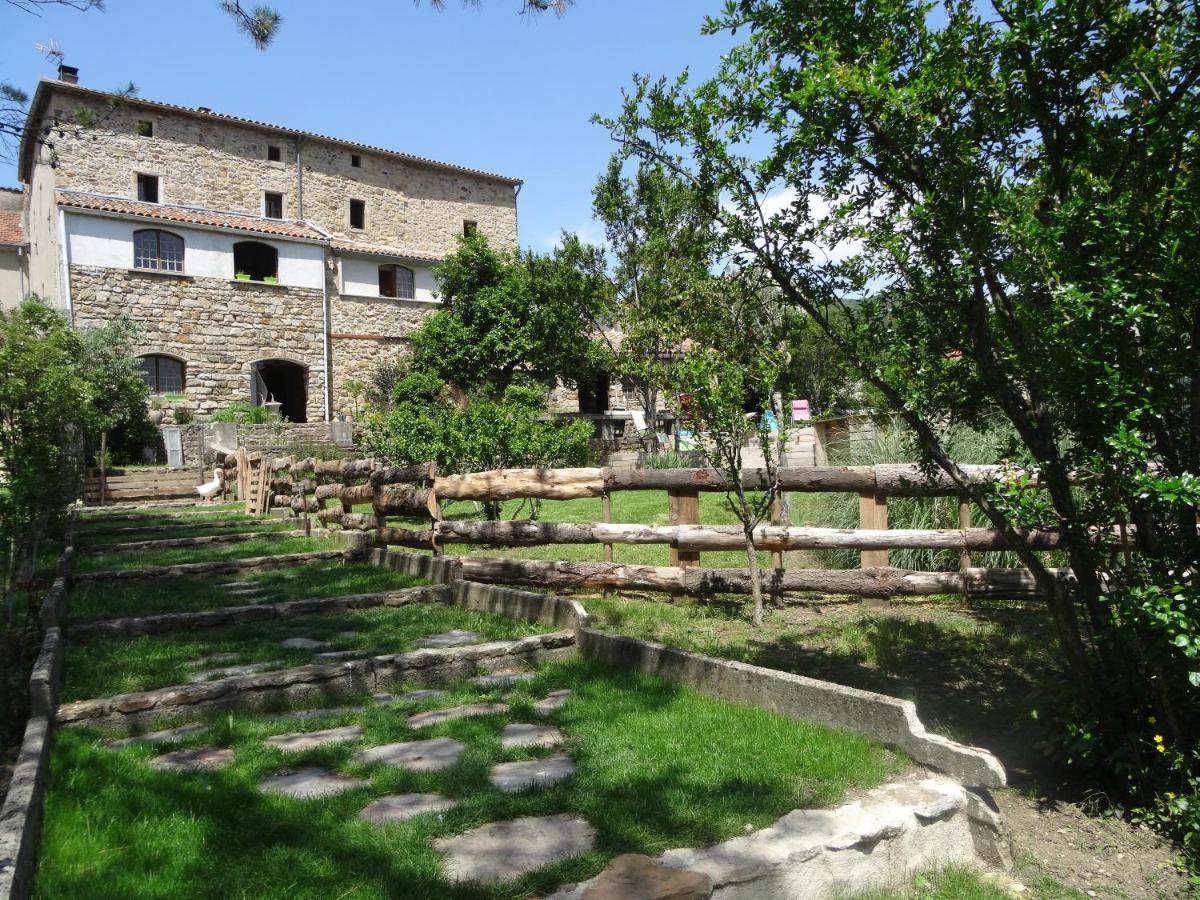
1002	202
118	390
509	317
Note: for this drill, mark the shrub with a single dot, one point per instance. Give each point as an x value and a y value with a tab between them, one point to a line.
242	412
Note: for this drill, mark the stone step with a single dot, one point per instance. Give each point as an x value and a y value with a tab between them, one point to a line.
309	783
502	851
450	639
416	756
520	734
438	716
198	759
553	701
401	807
166	736
307	740
518	776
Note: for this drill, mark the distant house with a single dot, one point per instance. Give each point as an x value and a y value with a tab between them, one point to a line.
262	262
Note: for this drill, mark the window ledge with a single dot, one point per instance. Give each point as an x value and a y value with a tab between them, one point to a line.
252	283
162	273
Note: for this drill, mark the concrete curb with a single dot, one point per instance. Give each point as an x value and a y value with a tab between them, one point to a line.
354	676
889	720
140	626
438	569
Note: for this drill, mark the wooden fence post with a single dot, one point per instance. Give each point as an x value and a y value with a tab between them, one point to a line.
683	508
964	522
872	513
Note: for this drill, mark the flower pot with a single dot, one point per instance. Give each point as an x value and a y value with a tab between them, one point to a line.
242	276
270	279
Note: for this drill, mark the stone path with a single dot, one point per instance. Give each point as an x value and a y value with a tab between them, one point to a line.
519	734
553	701
416	756
230	671
502	679
500	851
303	643
401	807
196	760
438	716
306	740
166	736
309	783
519	776
450	639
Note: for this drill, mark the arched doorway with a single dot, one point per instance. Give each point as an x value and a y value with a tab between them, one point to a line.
283	382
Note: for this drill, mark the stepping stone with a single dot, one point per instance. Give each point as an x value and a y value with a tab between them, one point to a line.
634	875
304	784
416	756
306	740
517	776
230	671
156	737
199	759
555	700
400	807
346	635
500	851
502	679
301	715
520	734
303	643
421	696
450	639
437	716
339	655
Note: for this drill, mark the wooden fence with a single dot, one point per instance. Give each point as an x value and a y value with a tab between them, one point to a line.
103	487
331	489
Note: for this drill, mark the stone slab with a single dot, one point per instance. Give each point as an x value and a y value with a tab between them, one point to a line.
303	643
309	783
501	851
517	776
165	736
306	740
339	655
233	671
633	875
198	759
522	734
401	807
302	715
422	696
553	701
216	659
502	679
454	638
416	756
438	716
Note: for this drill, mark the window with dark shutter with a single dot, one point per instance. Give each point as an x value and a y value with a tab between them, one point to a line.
398	282
273	205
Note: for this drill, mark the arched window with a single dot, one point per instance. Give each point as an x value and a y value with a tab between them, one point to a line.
258	261
398	282
163	374
160	250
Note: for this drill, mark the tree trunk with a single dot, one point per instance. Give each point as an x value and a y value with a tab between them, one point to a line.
755	580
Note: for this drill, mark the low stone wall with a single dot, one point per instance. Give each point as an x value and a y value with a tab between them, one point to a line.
21	812
140	626
544	609
879	841
889	720
438	569
327	681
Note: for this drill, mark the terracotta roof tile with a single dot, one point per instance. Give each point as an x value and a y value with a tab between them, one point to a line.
379	250
186	215
10	227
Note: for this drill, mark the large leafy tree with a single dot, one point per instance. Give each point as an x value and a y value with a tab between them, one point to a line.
510	317
1001	202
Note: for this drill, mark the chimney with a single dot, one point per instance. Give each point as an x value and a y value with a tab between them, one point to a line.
68	74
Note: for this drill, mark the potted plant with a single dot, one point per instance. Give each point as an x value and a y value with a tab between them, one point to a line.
156	413
271	279
242	276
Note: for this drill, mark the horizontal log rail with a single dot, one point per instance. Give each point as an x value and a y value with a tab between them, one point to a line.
526	533
879	582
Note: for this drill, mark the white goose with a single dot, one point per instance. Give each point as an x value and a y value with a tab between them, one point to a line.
210	489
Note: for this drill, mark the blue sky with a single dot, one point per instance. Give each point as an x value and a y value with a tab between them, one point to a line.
487	87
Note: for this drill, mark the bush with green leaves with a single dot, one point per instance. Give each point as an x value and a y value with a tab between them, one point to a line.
242	412
513	431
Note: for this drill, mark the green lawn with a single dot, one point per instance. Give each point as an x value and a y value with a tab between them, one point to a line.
160	532
105	667
659	767
94	600
958	883
99	518
112	562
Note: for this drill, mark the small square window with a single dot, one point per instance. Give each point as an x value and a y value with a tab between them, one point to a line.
144	128
147	188
274	154
273	205
470	228
356	160
358	214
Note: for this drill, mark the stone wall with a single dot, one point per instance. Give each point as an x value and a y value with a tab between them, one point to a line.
204	161
219	328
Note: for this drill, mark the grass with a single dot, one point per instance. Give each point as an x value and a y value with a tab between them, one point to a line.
659	766
959	883
91	601
94	536
102	668
102	519
112	562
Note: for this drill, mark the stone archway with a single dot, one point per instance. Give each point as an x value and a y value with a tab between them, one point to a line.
284	382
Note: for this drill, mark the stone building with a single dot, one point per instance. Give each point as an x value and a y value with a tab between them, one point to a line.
263	263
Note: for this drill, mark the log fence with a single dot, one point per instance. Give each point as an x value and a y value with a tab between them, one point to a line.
330	491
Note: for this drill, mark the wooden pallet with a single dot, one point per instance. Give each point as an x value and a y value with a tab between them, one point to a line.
254	482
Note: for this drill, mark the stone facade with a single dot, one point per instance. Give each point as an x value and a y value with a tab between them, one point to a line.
415	211
219	328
